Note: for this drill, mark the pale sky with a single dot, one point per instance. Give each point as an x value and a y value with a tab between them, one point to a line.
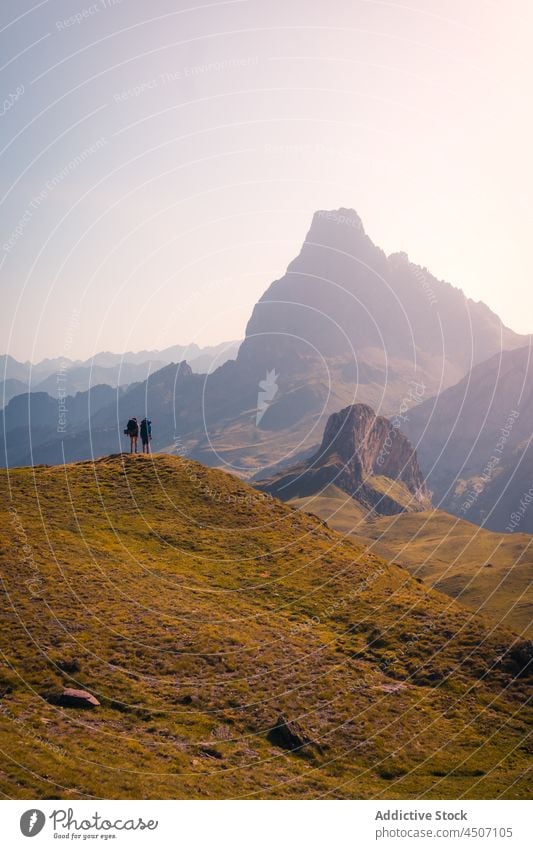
161	161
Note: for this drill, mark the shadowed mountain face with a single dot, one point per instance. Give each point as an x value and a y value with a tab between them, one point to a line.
346	324
32	424
10	388
36	428
84	378
364	456
474	443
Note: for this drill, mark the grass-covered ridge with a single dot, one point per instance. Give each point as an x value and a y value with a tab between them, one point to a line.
198	610
487	571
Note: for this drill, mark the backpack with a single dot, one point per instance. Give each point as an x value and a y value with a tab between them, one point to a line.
132	426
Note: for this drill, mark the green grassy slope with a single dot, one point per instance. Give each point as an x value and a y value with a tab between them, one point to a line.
485	570
197	611
335	507
489	572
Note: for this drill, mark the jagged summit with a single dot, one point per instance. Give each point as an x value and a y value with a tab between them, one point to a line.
356	435
366	457
332	221
342	297
336	234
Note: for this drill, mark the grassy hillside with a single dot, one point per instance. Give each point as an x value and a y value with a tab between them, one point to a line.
335	507
197	611
488	572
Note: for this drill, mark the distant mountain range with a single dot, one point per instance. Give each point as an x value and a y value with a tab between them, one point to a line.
10	388
346	324
31	422
62	375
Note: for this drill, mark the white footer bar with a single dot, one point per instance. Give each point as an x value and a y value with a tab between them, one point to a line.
265	825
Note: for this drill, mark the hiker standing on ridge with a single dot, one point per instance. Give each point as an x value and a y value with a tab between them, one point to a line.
146	435
132	430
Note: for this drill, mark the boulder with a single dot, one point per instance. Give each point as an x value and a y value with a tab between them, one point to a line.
77	698
519	659
289	734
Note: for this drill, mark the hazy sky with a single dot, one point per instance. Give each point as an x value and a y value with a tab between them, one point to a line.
161	160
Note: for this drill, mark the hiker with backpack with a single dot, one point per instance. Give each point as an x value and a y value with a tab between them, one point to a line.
132	430
146	435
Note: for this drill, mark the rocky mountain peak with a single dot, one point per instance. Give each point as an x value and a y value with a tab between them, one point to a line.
368	444
365	456
334	223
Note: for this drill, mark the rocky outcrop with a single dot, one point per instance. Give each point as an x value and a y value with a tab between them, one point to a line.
370	445
364	455
518	659
78	698
69	697
290	734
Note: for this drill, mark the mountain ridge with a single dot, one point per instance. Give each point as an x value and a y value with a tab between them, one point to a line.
338	254
108	367
353	326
